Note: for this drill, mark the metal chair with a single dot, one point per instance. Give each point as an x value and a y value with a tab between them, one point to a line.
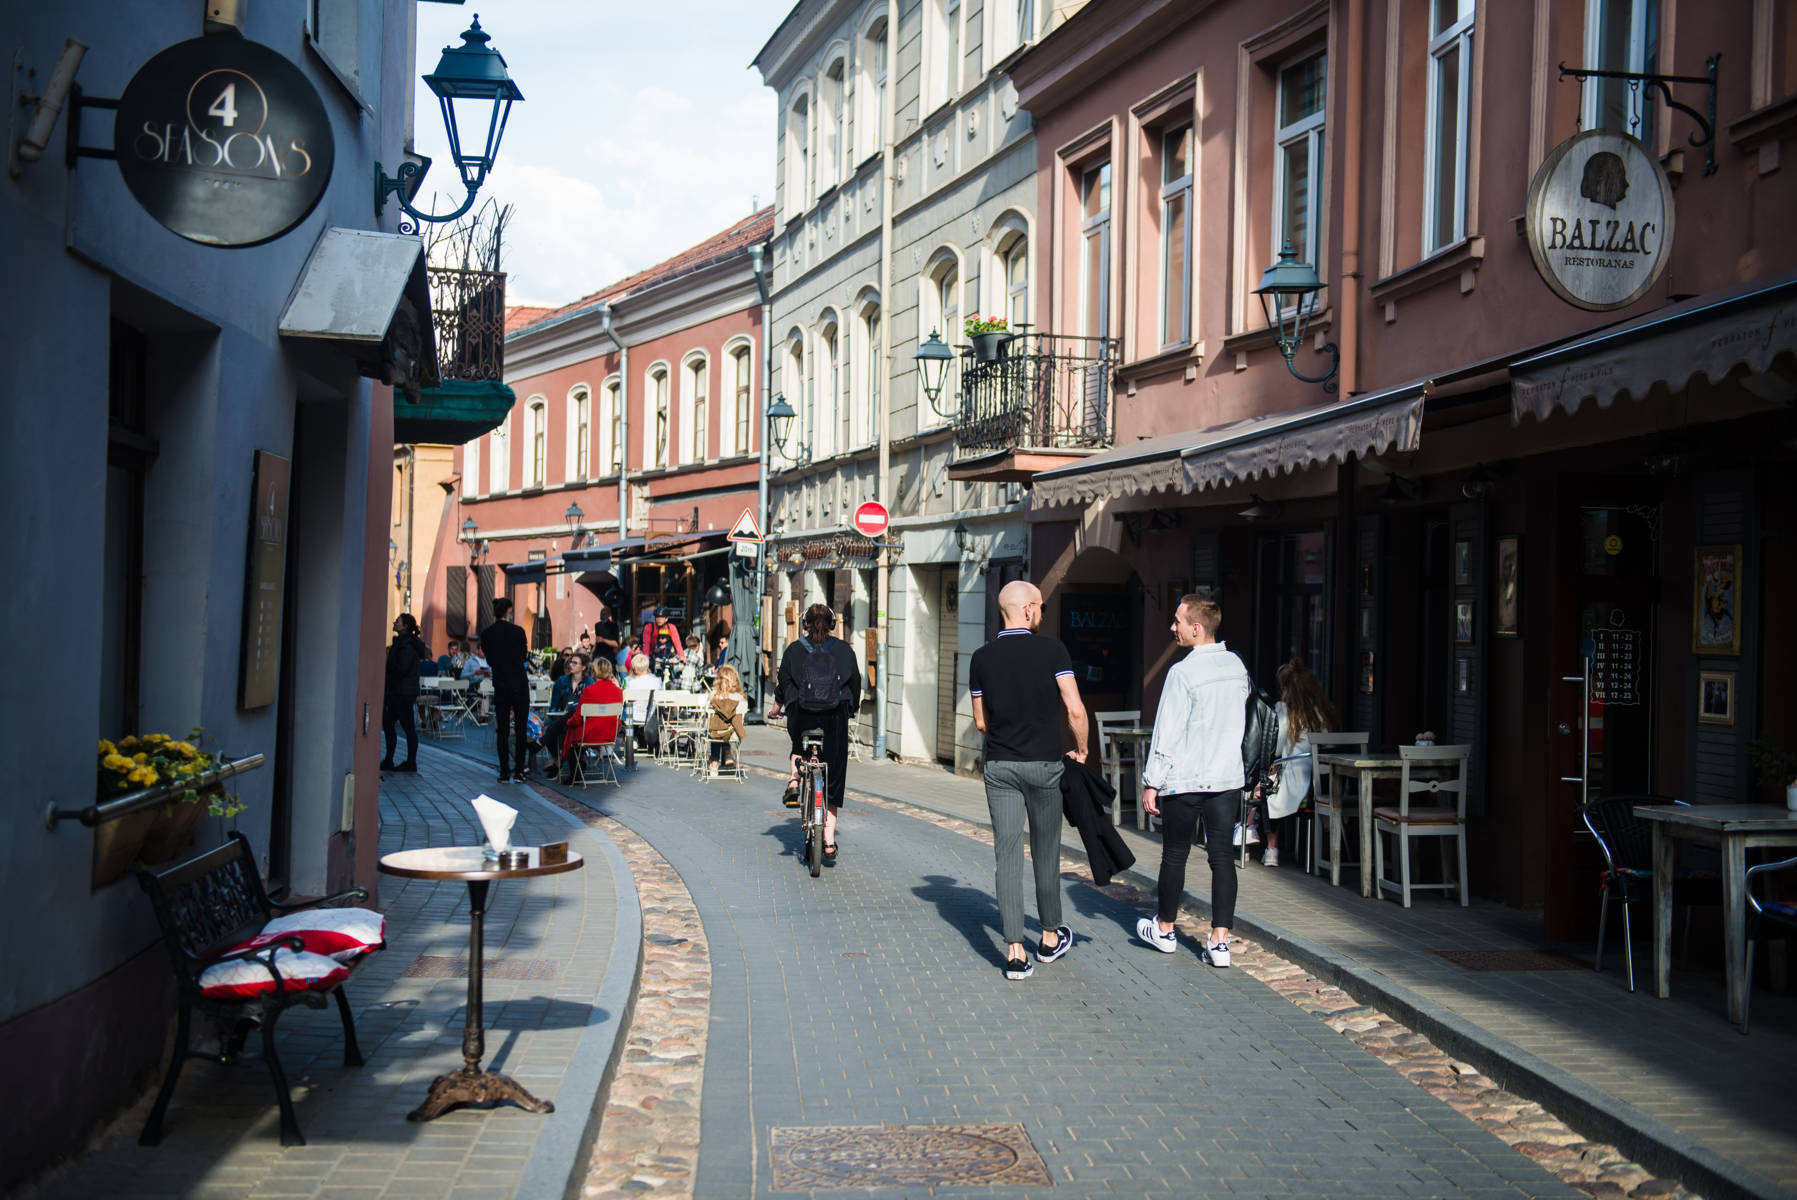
447	711
1328	806
726	754
1407	822
606	749
1626	842
1761	913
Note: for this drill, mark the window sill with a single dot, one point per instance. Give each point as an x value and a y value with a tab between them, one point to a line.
1188	355
1454	262
1776	120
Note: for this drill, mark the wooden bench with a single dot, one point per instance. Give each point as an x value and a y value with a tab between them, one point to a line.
208	907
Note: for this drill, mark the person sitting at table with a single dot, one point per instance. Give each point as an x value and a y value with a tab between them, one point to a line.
639	694
1303	709
450	664
590	731
726	721
561	702
474	669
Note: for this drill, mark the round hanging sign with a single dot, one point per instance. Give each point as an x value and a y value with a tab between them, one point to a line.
223	141
1599	219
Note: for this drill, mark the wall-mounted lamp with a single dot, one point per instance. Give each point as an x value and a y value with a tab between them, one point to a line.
1398	490
780	417
1260	510
469	529
933	359
1479	483
963	539
1288	294
472	75
573	516
29	146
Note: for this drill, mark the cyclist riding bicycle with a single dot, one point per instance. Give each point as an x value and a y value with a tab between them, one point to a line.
819	689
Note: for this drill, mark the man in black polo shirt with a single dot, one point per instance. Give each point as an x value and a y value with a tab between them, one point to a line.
1024	695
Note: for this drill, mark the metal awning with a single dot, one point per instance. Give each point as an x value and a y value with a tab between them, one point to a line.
596	558
534	571
1269	444
369	293
1736	331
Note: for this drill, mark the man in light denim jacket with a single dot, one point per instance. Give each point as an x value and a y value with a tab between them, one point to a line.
1194	772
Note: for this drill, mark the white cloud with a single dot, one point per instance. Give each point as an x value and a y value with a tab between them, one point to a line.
611	163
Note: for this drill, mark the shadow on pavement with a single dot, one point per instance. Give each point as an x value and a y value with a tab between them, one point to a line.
972	911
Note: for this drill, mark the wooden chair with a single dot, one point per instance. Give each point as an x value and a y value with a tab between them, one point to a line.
607	750
1446	777
1329	805
1118	756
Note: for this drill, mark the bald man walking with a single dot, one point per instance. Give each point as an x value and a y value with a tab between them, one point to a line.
1024	695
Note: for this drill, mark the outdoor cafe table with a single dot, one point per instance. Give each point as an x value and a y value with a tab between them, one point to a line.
1733	829
471	1085
1368	766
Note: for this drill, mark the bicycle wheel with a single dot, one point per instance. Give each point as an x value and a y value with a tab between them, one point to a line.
814	832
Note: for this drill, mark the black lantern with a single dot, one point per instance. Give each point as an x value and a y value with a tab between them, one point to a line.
779	422
470	81
962	537
469	528
933	358
1288	295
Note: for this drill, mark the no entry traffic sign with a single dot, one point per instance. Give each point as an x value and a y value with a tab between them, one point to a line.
871	519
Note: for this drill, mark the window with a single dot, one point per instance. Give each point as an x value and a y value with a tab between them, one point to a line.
537	438
1450	90
1095	252
580	423
1620	35
798	155
698	397
1781	38
499	472
1176	236
658	399
832	128
829	403
945	62
865	404
1298	157
471	456
614	424
872	119
798	401
744	399
1014	257
128	459
1013	25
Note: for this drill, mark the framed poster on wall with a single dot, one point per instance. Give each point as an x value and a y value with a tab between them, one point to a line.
1716	697
1506	621
1715	600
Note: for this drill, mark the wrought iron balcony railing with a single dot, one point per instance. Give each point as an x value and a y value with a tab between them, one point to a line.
1045	391
468	314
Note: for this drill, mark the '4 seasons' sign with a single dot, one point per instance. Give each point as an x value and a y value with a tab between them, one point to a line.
223	141
1600	219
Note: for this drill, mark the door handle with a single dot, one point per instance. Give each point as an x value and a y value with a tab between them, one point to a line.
1565	728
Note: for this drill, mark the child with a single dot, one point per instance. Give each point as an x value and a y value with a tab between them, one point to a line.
726	724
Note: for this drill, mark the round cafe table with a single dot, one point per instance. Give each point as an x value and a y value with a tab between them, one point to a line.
471	1085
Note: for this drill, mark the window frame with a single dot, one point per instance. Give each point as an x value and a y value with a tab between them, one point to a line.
1641	56
1178	188
612	417
833	91
1458	38
658	430
536	441
1312	129
864	384
580	432
695	395
798	153
1097	225
741	353
499	460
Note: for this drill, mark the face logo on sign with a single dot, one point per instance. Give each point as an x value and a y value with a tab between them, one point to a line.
1606	180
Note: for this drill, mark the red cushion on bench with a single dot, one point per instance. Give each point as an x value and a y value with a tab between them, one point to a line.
344	934
243	979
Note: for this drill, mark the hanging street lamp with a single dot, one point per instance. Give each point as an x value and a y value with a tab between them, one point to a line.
933	358
1288	294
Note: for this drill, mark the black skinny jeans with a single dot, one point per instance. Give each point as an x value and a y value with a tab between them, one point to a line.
509	713
834	725
403	712
1180	814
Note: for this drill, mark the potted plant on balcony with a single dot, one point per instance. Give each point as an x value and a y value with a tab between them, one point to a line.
990	336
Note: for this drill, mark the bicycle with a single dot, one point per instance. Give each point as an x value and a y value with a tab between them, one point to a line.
813	788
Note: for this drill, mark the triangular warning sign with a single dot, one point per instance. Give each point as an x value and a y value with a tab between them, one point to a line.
745	529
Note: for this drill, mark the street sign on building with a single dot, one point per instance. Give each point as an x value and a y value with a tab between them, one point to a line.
1599	219
871	519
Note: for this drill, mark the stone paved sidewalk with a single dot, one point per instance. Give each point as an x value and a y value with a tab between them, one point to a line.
561	954
1670	1080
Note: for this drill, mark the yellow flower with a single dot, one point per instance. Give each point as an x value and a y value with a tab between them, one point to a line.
107	747
129	743
156	738
186	748
140	758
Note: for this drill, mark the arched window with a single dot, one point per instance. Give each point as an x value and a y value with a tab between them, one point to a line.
865	387
743	372
697	386
833	130
536	443
798	155
499	464
829	407
580	432
941	298
613	423
799	395
659	427
870	120
1014	269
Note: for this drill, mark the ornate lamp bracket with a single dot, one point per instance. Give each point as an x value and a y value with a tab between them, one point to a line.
1706	120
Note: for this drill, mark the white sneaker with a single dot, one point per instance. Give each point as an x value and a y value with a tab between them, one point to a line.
1216	955
1149	930
1270	858
1253	835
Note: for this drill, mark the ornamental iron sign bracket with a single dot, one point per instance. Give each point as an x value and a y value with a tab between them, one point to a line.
1706	120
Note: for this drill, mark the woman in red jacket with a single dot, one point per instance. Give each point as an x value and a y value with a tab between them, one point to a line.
591	731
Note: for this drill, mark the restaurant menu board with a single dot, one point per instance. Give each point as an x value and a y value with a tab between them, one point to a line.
1097	629
1615	671
260	660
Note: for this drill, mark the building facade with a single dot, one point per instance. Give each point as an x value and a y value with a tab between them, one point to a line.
641	399
215	444
905	204
1553	532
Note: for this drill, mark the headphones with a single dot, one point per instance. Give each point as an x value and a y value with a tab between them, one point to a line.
828	616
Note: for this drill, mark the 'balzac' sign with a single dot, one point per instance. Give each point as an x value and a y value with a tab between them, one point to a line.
224	141
1600	219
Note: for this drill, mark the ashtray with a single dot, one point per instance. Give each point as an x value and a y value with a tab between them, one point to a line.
514	858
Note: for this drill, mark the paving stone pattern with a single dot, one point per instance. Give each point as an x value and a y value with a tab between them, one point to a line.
874	996
222	1136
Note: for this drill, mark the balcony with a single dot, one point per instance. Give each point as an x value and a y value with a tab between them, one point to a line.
468	321
1046	401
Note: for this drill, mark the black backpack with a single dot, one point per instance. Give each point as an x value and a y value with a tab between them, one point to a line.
817	678
1260	739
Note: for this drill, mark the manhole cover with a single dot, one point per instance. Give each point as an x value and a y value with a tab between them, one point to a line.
1507	960
436	966
897	1156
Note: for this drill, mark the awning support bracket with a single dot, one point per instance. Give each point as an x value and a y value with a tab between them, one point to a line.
1706	120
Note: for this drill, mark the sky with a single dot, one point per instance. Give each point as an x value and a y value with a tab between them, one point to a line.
643	130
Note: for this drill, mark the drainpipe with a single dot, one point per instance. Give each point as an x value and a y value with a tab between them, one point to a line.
605	327
411	483
1355	145
759	262
883	473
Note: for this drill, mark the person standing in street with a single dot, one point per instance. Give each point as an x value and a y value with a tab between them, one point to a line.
1024	695
506	649
1194	773
399	705
819	688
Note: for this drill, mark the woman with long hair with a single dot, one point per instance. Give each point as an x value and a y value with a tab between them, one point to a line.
726	722
399	704
1303	710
